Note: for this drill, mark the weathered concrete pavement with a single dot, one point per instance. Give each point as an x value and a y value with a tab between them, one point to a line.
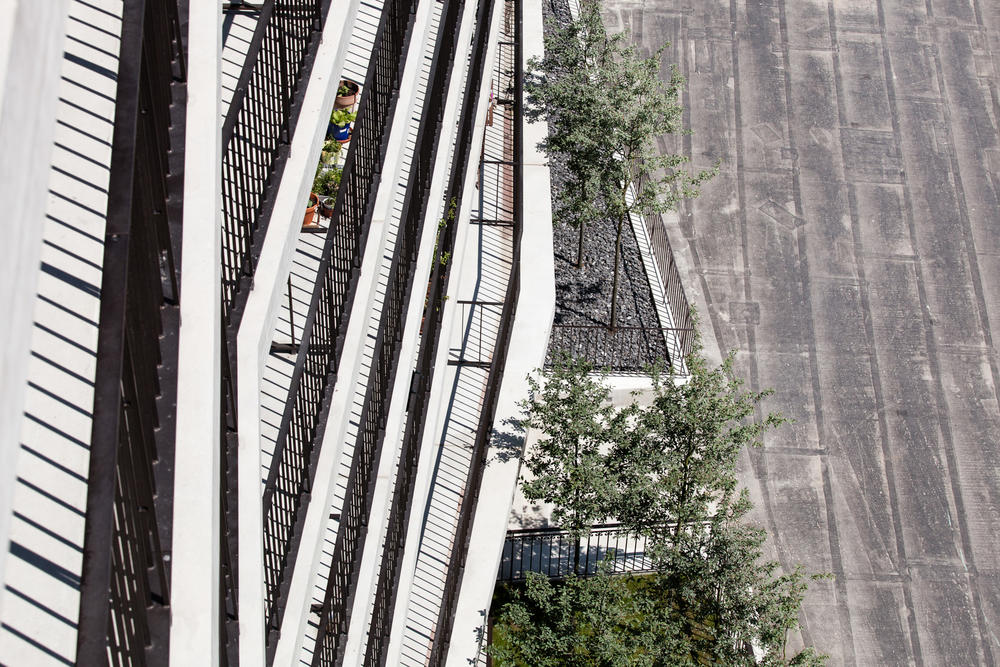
848	251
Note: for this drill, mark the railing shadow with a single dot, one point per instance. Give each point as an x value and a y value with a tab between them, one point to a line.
41	594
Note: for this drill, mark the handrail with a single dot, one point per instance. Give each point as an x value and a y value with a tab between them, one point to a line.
484	432
622	349
680	307
124	587
556	553
257	129
401	502
352	532
297	447
256	134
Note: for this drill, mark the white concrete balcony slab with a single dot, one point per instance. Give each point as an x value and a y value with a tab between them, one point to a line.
40	598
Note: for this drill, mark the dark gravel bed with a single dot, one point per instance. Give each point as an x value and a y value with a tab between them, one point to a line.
583	296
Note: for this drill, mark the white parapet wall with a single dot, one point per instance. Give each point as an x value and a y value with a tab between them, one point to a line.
32	35
262	310
194	618
528	343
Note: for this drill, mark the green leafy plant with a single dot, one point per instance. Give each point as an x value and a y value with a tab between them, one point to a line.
331	149
666	470
327	182
341	117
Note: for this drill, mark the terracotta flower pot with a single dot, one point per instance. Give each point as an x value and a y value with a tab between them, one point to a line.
326	206
347	100
309	222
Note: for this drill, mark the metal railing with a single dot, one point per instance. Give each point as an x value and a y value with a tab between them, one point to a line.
484	431
352	531
318	352
124	589
621	350
680	308
401	502
255	140
557	554
258	127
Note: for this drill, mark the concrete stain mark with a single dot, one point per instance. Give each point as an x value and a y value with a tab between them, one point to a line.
781	215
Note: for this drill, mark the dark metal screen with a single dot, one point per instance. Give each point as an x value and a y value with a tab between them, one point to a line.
556	554
258	127
255	139
124	590
351	534
621	350
402	495
484	432
318	352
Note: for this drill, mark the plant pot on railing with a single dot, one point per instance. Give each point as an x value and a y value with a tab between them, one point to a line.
309	222
340	125
347	94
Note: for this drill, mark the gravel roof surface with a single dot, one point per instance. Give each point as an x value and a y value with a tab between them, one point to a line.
583	295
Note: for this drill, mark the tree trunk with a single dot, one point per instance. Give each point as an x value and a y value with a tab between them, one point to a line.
614	281
579	249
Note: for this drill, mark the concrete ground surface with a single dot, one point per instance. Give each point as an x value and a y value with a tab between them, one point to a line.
848	251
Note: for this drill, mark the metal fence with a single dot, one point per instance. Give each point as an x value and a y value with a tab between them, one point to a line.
255	139
402	496
620	350
556	554
349	546
484	431
124	590
680	308
318	352
258	127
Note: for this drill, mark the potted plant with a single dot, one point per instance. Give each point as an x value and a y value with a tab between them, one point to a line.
341	120
347	94
325	186
328	155
309	221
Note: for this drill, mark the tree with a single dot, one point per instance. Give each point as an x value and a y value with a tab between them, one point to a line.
572	412
727	598
668	471
606	106
563	87
599	620
679	456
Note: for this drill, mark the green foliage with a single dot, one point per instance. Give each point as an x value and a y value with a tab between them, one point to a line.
327	182
341	117
679	457
599	620
717	575
571	410
331	149
666	470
